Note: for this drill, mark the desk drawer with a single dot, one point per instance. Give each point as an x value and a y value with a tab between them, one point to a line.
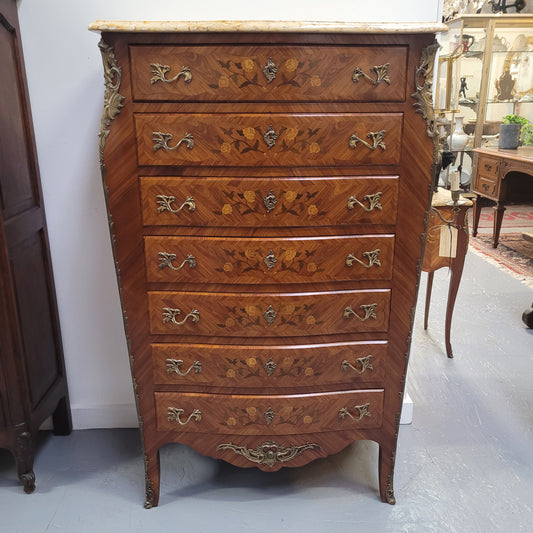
268	415
268	315
269	140
267	367
488	166
488	185
269	260
268	73
268	202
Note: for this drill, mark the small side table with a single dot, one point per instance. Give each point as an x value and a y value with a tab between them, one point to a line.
444	221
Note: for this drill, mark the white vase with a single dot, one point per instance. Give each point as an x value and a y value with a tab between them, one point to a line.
458	140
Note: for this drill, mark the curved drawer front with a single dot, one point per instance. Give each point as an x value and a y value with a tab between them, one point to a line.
268	73
268	315
269	140
268	366
288	260
283	202
269	415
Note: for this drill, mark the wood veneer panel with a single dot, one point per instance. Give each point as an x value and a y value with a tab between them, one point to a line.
301	139
304	73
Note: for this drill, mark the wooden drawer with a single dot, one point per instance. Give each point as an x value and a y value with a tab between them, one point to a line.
283	202
244	367
268	315
487	185
489	166
268	260
269	140
268	415
242	73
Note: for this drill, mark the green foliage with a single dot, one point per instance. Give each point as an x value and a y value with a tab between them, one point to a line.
515	119
527	134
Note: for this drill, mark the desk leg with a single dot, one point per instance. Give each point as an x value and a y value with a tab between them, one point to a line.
499	210
479	203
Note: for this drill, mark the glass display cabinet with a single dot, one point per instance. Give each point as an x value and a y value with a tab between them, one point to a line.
493	77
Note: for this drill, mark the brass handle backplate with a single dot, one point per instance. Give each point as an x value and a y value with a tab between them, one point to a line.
270	201
369	312
165	260
170	314
381	72
159	74
270	315
161	141
174	367
164	203
376	140
270	70
374	202
174	415
364	362
270	260
361	412
372	257
270	137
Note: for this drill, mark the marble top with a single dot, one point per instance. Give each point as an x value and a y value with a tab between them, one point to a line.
265	26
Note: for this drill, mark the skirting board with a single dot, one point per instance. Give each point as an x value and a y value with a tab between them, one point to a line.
125	416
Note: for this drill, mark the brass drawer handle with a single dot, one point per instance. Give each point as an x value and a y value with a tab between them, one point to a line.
170	314
165	260
372	258
381	72
270	201
376	140
364	362
270	70
159	74
374	202
164	203
161	141
361	411
369	310
270	137
174	415
174	366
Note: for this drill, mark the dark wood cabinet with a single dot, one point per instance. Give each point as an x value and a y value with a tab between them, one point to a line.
267	191
32	374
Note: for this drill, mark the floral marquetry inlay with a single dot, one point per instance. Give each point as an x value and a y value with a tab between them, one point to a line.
257	315
254	139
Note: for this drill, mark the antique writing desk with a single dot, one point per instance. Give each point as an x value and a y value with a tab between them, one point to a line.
267	185
496	180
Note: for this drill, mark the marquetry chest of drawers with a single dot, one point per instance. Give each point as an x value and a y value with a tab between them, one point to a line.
267	187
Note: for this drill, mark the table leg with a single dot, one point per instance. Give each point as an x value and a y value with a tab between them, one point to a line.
456	269
499	210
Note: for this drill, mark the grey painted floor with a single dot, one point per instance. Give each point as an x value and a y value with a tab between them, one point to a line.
464	465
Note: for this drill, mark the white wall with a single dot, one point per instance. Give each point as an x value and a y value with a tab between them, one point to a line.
66	91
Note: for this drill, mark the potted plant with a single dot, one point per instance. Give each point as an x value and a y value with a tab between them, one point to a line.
510	131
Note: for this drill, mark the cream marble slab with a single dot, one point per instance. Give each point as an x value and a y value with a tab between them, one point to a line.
265	26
